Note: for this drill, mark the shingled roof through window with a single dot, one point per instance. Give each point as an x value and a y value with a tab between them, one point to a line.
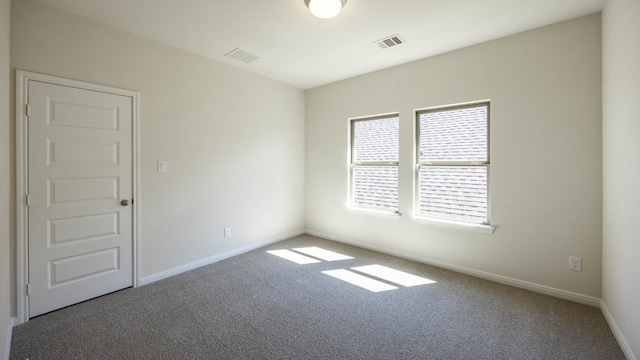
450	192
454	192
376	187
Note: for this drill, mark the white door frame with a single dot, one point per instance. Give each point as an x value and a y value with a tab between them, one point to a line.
22	178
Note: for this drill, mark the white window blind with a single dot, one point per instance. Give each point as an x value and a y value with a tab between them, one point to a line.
453	163
374	163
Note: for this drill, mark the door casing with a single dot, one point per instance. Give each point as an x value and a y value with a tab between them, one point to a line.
22	178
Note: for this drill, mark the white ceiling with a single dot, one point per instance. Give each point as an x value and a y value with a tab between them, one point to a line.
298	49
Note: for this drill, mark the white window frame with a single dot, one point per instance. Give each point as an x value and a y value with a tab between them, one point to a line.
352	163
483	227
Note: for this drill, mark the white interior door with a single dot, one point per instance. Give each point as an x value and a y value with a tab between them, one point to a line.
80	238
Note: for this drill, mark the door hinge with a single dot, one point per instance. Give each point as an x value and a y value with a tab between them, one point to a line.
28	110
28	289
27	200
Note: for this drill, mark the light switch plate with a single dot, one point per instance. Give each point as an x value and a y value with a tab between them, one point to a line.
162	166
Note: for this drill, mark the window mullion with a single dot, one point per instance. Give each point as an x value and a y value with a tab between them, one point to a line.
376	163
455	163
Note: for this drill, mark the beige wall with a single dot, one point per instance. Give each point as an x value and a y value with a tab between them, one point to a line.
621	169
217	127
233	141
5	179
545	91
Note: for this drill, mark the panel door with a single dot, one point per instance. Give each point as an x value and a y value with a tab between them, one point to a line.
80	169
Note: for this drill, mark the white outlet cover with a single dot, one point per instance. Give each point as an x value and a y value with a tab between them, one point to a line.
162	166
575	263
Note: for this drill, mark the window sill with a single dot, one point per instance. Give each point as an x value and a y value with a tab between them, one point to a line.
378	213
481	228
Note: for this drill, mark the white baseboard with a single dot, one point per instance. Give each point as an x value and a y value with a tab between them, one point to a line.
212	259
622	341
7	342
547	290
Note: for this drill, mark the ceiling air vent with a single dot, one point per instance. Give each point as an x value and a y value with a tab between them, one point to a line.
390	41
241	55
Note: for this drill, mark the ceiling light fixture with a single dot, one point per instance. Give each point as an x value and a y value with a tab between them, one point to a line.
325	9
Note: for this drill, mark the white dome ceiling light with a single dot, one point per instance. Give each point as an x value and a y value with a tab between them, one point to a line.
325	9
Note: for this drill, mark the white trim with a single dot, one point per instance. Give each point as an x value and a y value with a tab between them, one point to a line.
215	258
27	75
542	289
462	104
137	192
372	117
379	213
622	341
22	143
22	261
481	228
7	341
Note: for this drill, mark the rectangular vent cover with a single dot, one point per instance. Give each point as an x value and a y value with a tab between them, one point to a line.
241	55
390	41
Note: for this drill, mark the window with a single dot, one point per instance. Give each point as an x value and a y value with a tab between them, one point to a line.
452	170
374	163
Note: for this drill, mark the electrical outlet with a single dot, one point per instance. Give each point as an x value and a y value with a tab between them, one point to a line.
333	219
575	263
227	232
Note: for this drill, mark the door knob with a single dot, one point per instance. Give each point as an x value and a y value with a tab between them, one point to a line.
124	202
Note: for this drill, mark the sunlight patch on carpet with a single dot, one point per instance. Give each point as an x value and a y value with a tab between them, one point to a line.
292	256
320	253
359	280
393	275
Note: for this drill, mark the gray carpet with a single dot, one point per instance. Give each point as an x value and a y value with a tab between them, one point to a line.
260	306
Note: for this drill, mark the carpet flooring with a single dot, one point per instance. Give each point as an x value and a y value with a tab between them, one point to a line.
261	306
